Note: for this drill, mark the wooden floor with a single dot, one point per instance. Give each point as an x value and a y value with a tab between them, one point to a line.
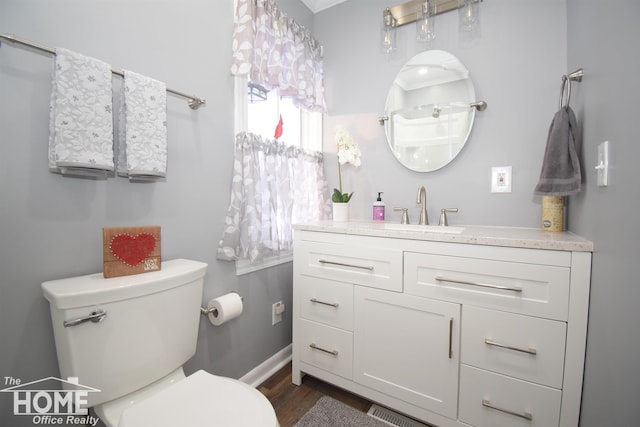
291	402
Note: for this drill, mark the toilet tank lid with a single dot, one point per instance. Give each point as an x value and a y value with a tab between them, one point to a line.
94	289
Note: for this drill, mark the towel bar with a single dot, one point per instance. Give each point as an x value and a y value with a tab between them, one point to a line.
193	101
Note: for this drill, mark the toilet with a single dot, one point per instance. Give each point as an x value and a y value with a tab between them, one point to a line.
126	338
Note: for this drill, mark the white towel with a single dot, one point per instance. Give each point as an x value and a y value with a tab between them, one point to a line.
142	128
81	119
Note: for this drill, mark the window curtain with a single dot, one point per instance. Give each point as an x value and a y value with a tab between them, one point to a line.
274	186
275	52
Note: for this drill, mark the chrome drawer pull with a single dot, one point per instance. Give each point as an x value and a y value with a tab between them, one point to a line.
484	285
508	347
331	304
95	317
331	352
526	415
364	267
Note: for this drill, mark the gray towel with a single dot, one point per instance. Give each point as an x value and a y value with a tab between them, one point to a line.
560	174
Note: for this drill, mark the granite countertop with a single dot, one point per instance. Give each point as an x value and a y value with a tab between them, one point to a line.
517	237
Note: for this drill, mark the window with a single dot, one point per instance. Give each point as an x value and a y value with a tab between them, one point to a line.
258	111
263	108
274	184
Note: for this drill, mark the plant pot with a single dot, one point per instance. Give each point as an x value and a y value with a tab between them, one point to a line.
341	212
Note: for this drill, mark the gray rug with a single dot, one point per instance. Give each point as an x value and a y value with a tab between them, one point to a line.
328	412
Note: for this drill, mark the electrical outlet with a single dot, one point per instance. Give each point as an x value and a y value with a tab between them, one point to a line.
276	312
501	179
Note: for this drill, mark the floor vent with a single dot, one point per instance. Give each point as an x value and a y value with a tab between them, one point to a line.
392	418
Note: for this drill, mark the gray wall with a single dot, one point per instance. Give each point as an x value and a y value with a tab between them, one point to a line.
605	44
516	68
50	226
516	65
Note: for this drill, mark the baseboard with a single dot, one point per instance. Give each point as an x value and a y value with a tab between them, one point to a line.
260	373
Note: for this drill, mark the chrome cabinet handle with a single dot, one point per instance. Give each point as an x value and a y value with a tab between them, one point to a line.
331	352
508	347
331	304
95	317
526	415
484	285
364	267
450	338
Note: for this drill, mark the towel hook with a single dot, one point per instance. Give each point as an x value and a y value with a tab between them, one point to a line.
565	81
576	76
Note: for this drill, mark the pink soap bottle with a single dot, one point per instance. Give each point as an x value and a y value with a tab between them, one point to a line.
378	209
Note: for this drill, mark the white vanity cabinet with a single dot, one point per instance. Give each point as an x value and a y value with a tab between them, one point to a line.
454	330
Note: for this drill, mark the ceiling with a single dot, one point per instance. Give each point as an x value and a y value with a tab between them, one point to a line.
318	5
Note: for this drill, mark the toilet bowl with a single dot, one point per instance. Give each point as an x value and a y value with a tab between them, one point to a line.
127	339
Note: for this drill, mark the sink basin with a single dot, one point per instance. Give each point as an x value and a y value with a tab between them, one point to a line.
423	228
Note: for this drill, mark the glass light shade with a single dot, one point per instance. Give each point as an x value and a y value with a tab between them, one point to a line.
388	43
387	32
468	14
425	24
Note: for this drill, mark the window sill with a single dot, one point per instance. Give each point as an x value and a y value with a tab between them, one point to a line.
245	266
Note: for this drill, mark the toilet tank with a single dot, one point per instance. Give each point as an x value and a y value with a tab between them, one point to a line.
150	328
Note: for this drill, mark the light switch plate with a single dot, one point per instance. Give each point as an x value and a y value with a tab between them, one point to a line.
602	168
501	179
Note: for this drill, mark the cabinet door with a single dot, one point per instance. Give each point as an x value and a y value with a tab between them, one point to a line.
407	347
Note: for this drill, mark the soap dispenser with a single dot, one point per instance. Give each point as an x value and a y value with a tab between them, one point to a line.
378	208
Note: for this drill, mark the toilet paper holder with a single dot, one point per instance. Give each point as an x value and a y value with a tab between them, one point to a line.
206	311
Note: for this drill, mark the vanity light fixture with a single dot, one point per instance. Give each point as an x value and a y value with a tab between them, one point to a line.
423	13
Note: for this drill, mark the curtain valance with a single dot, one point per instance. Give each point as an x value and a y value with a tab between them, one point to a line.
275	52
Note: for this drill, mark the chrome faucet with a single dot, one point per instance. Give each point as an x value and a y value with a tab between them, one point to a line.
422	200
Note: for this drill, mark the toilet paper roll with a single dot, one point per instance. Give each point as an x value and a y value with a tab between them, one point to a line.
224	308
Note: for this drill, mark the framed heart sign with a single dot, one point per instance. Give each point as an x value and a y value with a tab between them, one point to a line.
130	250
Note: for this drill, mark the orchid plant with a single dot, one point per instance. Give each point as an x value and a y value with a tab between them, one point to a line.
348	152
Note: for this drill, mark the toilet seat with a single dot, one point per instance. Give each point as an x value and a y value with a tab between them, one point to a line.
202	399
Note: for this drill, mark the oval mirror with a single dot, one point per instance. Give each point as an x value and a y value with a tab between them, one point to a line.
430	110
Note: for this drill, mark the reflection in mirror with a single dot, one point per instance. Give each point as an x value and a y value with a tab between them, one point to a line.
430	110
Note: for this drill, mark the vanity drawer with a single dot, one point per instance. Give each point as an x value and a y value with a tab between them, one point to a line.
524	347
532	289
489	399
327	348
372	266
326	301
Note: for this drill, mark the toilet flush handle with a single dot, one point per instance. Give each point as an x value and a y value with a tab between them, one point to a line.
95	316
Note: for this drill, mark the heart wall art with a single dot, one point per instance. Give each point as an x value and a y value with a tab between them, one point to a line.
130	250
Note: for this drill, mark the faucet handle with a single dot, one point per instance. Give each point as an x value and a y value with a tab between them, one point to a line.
405	215
443	216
